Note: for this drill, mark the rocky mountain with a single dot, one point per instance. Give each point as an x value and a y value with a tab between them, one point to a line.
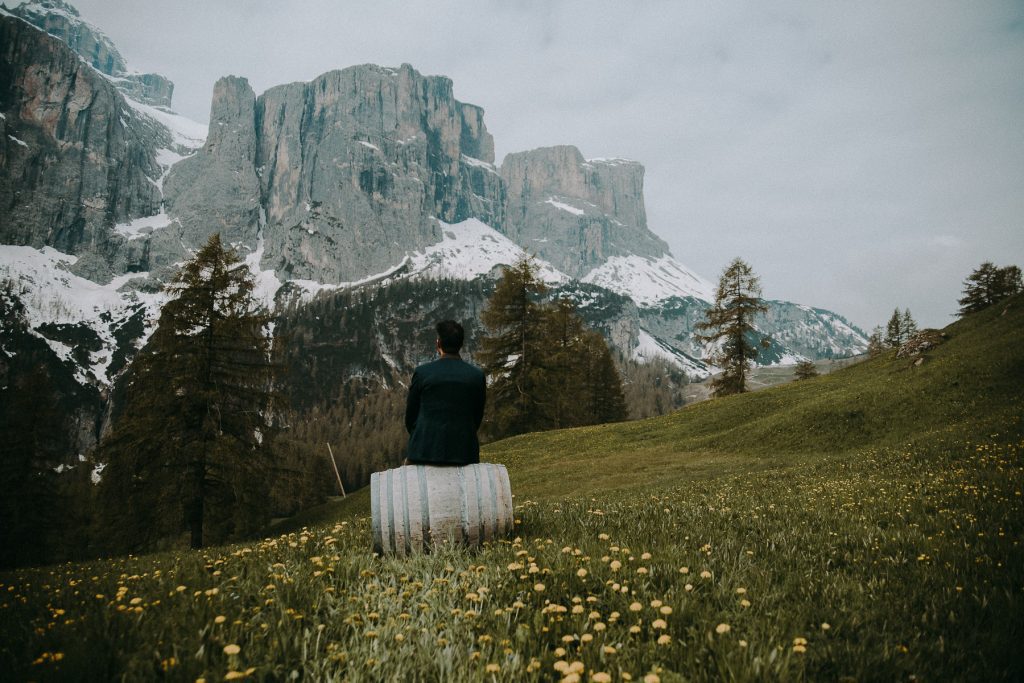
365	178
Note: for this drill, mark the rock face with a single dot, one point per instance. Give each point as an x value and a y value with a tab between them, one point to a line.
351	169
215	190
75	159
63	21
576	213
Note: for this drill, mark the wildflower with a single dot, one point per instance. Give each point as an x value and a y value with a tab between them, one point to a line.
722	628
581	573
664	639
599	626
705	574
602	537
399	638
825	626
539	587
615	565
645	556
743	643
666	610
656	604
659	623
219	619
232	650
652	678
492	668
741	590
641	570
634	629
601	677
577	609
586	637
561	666
608	650
688	587
684	570
635	607
233	675
744	603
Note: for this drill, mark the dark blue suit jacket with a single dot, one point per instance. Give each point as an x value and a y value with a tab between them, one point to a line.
443	412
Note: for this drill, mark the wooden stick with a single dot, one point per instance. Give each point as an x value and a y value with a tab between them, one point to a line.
335	466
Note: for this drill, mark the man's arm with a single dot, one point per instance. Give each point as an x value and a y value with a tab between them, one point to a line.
481	401
412	404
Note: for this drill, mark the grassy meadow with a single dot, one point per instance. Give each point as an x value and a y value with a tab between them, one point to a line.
864	525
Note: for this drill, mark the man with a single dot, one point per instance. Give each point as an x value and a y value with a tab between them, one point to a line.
445	405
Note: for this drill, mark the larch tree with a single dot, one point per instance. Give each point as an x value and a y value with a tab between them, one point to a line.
729	323
512	354
988	284
191	446
894	330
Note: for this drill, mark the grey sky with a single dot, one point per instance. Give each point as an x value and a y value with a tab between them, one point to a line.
860	155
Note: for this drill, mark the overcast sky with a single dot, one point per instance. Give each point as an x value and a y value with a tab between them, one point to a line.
859	155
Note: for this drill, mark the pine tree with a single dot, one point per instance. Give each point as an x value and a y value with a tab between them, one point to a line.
894	330
730	322
565	359
908	326
876	344
805	370
512	355
192	443
988	284
601	383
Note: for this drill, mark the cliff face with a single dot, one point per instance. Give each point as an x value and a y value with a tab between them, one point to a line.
63	21
576	213
349	168
75	158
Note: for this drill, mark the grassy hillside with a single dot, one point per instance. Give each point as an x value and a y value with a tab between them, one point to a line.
865	525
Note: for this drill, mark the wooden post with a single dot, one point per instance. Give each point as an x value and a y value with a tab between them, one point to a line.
335	466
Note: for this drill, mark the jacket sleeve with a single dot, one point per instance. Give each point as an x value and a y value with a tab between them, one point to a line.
481	401
412	404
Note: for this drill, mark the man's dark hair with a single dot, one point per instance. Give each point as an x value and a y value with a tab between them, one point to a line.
450	335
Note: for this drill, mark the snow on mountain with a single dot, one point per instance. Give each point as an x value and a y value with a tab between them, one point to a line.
649	281
53	296
184	131
470	249
651	348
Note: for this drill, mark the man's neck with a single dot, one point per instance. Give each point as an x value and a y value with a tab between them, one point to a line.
450	355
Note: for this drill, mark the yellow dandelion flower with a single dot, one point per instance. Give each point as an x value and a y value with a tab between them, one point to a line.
705	574
568	638
492	668
219	619
656	603
652	678
641	570
825	626
634	629
743	643
722	628
561	666
800	648
603	537
232	650
635	607
609	650
570	678
684	570
666	610
659	623
688	587
664	639
741	590
615	565
599	626
586	637
581	573
601	677
233	675
576	667
577	609
133	601
539	587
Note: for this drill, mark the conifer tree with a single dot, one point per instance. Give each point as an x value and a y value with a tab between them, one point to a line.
805	370
601	383
876	344
894	330
730	322
511	355
988	284
908	326
565	359
192	443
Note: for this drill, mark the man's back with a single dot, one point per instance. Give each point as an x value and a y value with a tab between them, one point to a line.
444	411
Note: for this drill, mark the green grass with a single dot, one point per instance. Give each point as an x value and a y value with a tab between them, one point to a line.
872	518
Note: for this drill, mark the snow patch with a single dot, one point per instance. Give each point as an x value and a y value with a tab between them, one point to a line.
649	281
17	141
184	131
370	145
564	207
479	163
650	348
470	249
51	294
142	227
